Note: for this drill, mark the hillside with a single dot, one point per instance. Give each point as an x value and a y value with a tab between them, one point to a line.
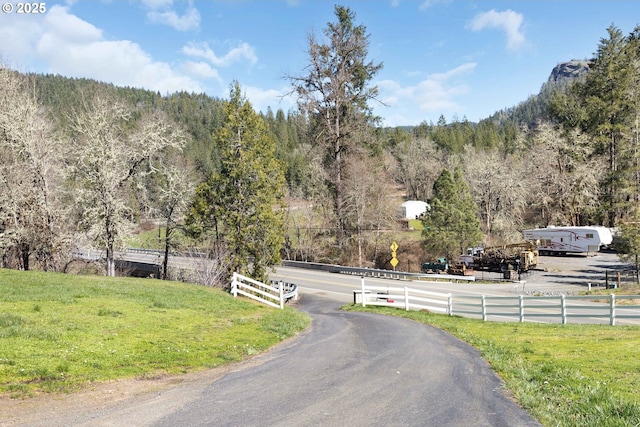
530	111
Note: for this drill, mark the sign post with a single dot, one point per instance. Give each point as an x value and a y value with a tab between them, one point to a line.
394	261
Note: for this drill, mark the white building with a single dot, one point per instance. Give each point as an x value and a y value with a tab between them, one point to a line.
413	209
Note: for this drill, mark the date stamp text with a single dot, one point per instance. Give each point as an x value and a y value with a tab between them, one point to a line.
25	8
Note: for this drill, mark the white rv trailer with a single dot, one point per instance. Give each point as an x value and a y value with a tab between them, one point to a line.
563	240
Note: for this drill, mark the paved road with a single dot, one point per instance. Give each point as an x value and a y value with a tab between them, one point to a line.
558	276
358	369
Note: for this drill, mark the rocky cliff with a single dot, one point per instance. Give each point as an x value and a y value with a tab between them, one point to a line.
568	70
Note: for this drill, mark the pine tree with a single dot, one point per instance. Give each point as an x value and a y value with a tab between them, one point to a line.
451	222
601	107
239	204
334	94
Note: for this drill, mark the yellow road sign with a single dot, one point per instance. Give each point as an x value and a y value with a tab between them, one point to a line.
394	247
394	261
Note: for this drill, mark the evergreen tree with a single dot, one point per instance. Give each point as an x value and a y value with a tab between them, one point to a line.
629	244
600	105
451	222
334	94
238	205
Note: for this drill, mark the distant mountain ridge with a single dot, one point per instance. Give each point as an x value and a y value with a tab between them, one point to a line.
60	92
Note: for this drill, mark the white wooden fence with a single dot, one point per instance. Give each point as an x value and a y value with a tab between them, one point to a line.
599	308
274	295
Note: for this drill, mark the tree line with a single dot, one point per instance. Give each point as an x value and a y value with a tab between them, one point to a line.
82	162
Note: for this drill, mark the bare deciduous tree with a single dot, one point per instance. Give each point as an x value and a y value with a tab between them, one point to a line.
175	193
369	205
30	178
420	164
109	147
564	178
499	187
209	268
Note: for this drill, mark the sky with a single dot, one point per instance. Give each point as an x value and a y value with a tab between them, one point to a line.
456	59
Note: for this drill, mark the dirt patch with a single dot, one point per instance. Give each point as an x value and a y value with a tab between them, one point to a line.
58	409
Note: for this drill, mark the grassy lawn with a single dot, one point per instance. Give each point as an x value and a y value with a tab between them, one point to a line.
564	375
61	332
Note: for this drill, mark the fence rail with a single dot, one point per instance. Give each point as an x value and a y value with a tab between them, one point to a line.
274	295
602	309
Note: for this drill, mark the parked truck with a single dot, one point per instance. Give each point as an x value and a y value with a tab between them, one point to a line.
442	266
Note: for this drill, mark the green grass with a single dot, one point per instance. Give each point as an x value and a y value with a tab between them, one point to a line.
149	239
416	224
61	332
564	375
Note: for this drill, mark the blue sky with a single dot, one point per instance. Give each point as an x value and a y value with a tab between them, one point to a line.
441	57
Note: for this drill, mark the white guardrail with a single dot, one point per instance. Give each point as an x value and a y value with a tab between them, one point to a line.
373	272
521	307
274	295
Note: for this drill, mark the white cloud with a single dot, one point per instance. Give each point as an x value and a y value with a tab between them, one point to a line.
75	48
189	21
202	70
18	33
426	4
438	93
508	21
243	51
276	99
162	12
157	4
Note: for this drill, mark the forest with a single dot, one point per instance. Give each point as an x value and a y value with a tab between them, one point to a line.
85	164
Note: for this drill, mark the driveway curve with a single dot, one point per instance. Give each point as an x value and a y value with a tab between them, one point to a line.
358	369
347	369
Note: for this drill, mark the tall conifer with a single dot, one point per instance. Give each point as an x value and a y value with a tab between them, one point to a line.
451	222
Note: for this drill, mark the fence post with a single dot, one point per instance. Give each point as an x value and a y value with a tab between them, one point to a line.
234	284
450	304
484	308
612	310
364	304
406	298
521	304
281	292
563	309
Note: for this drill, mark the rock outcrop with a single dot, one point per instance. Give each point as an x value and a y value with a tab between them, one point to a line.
569	70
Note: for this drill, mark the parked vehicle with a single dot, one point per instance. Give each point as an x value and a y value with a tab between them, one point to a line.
563	240
442	266
515	257
439	267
